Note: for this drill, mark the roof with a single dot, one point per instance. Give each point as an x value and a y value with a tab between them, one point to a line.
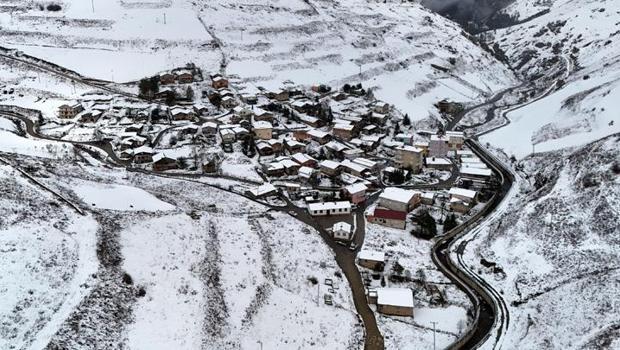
302	158
462	192
329	206
476	171
348	127
356	188
263	190
410	149
317	133
342	226
437	161
373	255
395	297
365	162
397	194
143	149
353	166
261	124
305	171
161	156
330	164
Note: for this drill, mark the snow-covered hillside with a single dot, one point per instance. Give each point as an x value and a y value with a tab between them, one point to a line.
554	254
578	37
156	262
307	42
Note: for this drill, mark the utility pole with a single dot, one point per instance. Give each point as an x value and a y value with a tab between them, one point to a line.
261	344
164	18
92	3
242	34
434	323
360	73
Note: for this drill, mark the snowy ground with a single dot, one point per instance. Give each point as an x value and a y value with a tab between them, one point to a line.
554	250
160	263
266	45
413	254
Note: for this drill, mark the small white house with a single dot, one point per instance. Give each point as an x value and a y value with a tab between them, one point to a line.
329	208
342	231
392	301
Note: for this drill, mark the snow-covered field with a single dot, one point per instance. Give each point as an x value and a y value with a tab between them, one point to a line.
160	263
580	36
306	42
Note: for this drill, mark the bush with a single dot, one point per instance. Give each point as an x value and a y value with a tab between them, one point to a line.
127	279
313	280
427	226
54	7
449	223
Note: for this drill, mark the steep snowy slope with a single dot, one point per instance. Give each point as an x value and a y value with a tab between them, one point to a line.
267	43
576	43
554	254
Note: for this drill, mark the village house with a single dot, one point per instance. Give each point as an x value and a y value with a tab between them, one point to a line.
227	135
329	167
355	192
342	231
209	128
319	136
438	163
178	113
209	166
90	116
304	160
336	148
279	95
352	153
276	145
463	194
228	102
407	139
399	199
381	107
219	82
243	112
387	217
261	114
371	259
409	157
162	163
264	190
329	208
354	168
392	301
438	146
301	134
263	130
274	169
264	149
291	167
306	173
476	173
371	165
428	198
69	111
185	77
167	78
294	146
142	155
455	139
343	131
423	145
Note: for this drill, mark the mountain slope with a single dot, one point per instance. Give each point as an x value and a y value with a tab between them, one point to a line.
553	254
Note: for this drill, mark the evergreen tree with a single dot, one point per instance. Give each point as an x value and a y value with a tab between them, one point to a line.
189	93
449	223
406	120
428	226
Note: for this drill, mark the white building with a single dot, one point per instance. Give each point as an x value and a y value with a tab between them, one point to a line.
342	231
392	301
399	199
329	208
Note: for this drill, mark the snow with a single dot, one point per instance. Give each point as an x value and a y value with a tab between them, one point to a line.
13	143
395	297
397	194
366	254
462	192
119	197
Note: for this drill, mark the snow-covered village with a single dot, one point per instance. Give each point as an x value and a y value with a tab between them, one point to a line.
309	174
